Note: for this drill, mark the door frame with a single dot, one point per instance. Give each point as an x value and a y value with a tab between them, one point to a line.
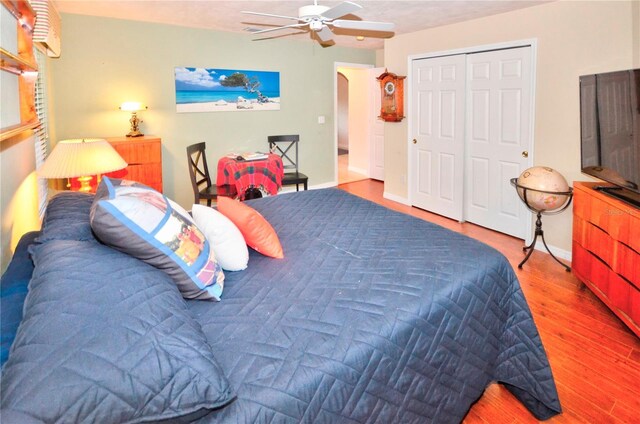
337	65
531	42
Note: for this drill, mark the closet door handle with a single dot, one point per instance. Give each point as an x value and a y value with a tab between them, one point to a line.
415	141
525	154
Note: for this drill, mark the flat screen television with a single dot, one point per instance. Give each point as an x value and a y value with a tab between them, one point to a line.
610	131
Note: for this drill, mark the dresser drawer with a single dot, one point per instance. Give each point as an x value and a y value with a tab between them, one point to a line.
620	257
614	219
144	156
606	251
140	152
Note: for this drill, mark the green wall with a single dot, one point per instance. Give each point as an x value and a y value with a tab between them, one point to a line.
107	61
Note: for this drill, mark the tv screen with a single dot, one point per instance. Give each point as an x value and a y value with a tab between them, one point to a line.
610	127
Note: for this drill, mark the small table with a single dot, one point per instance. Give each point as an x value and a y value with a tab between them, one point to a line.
265	174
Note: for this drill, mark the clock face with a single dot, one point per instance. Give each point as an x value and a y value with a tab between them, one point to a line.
389	88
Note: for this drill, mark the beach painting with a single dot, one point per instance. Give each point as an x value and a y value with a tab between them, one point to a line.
226	90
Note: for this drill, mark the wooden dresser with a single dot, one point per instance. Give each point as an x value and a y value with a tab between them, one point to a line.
144	156
606	250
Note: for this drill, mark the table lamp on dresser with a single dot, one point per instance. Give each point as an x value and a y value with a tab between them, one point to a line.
81	157
134	108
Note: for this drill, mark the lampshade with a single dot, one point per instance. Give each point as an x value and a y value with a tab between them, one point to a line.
132	106
81	157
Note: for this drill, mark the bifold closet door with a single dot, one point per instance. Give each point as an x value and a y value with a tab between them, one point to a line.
471	128
497	138
437	128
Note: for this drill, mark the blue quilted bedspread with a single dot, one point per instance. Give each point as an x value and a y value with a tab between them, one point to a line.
372	316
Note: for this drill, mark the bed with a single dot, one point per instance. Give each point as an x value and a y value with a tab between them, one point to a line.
371	316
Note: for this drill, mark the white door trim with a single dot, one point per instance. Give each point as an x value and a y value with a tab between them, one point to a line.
337	65
532	42
375	126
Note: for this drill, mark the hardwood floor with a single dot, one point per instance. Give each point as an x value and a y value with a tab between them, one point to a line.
595	358
344	175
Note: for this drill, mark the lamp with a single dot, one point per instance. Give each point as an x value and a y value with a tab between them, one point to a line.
133	107
81	157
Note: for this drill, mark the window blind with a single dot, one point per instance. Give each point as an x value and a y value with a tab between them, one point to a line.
41	132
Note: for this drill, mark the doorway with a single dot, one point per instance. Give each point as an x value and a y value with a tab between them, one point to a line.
471	125
357	131
345	175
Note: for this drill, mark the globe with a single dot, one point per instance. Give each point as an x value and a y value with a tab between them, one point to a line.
542	189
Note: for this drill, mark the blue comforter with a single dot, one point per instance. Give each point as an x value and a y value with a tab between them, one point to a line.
372	316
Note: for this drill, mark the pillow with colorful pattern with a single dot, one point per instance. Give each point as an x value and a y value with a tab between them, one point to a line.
145	224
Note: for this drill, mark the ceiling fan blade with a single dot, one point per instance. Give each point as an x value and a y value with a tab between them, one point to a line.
363	25
270	15
324	34
262	31
341	10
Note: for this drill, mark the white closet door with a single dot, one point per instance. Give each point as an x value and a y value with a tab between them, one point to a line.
498	137
438	98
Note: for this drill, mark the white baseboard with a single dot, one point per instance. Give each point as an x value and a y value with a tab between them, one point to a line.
292	188
396	198
557	252
358	170
323	185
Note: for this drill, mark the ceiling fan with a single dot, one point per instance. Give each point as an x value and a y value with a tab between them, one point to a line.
321	20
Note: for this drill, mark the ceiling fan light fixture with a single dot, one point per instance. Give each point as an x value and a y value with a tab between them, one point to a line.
311	11
321	20
315	25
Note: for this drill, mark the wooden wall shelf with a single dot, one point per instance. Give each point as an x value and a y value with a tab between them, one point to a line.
23	64
14	130
15	64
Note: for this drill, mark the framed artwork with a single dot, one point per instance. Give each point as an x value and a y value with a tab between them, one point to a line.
226	90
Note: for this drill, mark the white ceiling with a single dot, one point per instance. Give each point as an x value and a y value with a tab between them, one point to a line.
224	15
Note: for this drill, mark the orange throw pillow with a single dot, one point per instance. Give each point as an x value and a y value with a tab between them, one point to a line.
257	232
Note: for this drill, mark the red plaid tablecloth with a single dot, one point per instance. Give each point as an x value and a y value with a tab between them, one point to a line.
265	175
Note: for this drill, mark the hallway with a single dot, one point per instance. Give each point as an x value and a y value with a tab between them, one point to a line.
344	175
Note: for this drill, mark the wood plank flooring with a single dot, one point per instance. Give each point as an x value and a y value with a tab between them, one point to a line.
595	358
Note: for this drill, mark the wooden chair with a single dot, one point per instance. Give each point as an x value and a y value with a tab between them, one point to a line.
201	179
286	146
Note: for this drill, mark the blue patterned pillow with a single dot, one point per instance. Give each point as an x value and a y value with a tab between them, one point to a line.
67	217
143	223
106	339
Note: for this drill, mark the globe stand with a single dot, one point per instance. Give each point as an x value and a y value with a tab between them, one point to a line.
522	192
539	233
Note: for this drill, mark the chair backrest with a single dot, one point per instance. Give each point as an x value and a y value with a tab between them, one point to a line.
286	146
198	169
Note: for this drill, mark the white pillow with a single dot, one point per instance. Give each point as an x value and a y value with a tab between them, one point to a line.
224	237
